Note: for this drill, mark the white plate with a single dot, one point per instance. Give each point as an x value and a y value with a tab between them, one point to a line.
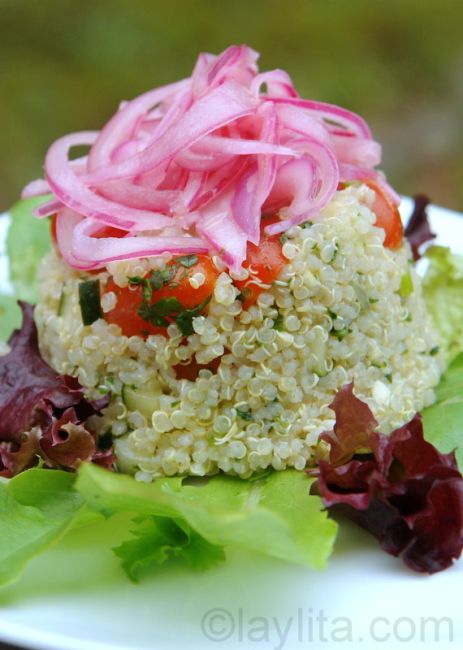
75	597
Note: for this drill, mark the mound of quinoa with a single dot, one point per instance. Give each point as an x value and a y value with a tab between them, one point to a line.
337	313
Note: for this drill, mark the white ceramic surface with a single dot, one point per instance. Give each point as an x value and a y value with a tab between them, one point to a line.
75	596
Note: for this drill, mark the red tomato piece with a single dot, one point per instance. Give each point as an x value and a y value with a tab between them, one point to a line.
387	216
130	298
265	263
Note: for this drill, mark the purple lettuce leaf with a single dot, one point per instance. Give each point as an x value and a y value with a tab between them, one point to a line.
43	414
418	230
397	486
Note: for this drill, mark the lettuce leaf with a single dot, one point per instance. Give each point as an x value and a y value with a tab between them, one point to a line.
36	509
276	516
157	540
443	421
399	487
10	316
191	521
28	240
443	292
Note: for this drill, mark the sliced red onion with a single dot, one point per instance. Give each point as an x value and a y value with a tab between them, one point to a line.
141	197
71	191
218	227
255	184
356	173
278	82
47	209
120	127
309	184
66	222
90	250
222	105
331	113
39	187
205	156
357	151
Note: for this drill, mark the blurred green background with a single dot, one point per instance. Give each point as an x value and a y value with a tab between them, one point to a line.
65	65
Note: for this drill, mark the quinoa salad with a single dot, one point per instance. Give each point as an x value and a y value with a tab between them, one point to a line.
225	260
224	333
337	313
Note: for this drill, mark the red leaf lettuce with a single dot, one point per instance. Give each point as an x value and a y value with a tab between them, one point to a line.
418	230
397	486
43	414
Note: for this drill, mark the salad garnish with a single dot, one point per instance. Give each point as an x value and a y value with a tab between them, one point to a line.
43	415
195	165
418	230
397	486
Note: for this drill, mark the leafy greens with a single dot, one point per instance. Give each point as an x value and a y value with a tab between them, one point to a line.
172	517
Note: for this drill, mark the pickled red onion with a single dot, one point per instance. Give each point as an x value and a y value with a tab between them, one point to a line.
206	156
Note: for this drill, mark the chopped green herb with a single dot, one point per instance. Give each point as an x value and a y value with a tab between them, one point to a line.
433	351
332	314
341	334
89	301
184	320
305	224
157	312
283	239
168	310
373	301
278	323
335	252
243	294
388	376
244	415
136	279
406	285
162	277
187	260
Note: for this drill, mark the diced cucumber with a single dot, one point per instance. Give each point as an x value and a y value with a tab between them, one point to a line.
67	309
64	302
89	301
145	399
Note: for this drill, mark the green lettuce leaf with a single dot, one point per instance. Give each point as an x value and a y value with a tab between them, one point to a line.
27	242
10	316
192	521
443	421
157	540
36	509
276	516
443	292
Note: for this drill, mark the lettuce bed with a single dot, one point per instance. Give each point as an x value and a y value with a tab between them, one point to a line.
196	520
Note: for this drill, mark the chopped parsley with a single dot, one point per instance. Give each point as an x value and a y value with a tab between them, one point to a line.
278	323
244	415
187	261
167	310
243	295
341	334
